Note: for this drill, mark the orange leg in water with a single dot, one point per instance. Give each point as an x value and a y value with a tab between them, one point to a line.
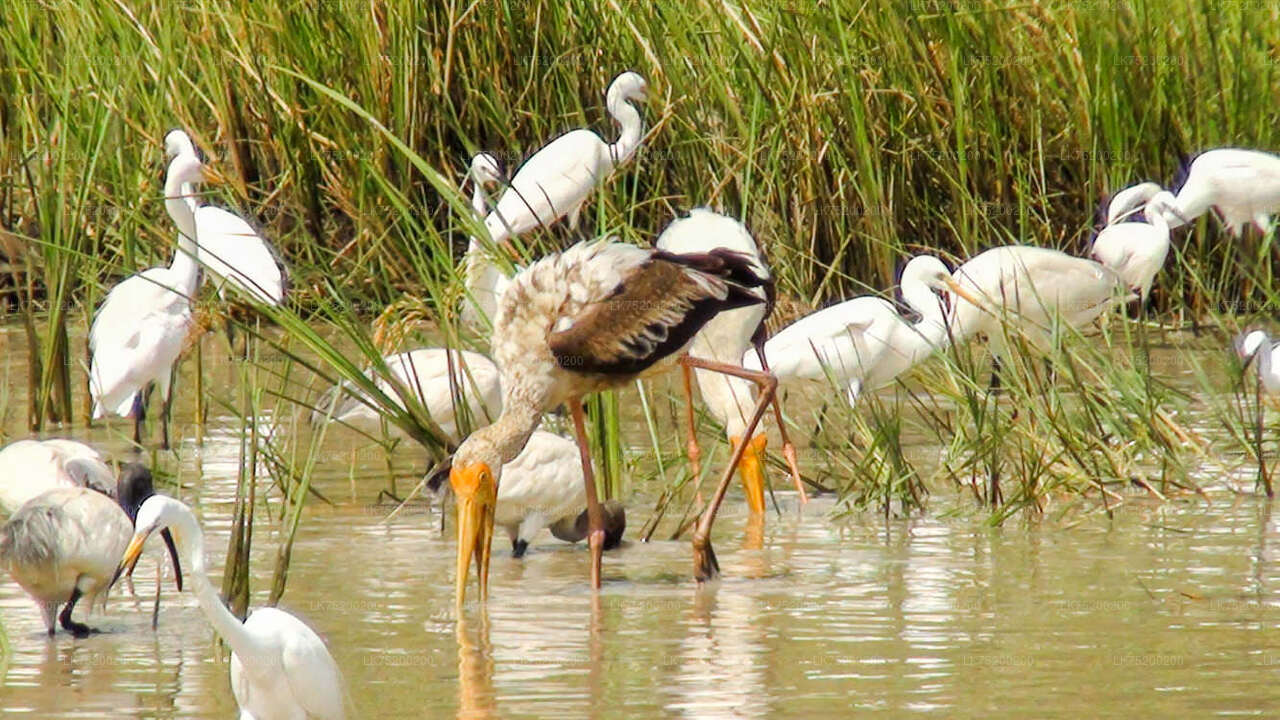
705	566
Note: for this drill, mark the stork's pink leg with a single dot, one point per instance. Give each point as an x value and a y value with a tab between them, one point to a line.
788	448
595	513
705	566
691	447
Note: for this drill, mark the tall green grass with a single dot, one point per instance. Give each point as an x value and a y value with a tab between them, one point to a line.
847	136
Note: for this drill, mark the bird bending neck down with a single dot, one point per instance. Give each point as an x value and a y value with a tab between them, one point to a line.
593	317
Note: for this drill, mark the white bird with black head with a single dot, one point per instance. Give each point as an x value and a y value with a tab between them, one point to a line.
64	545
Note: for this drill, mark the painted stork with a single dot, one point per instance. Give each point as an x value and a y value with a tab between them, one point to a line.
593	317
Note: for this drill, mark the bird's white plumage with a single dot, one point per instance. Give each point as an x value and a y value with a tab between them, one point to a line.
1136	251
541	486
1032	289
557	180
234	254
485	281
426	374
280	668
29	468
141	327
726	337
862	343
1261	354
61	540
1242	185
295	685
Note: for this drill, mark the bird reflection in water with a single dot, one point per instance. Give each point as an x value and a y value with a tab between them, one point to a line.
475	669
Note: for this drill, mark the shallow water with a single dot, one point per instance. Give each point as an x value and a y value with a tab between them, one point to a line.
1163	609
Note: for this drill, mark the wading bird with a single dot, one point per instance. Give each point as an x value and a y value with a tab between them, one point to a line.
557	179
1019	289
31	467
65	544
436	378
864	344
724	339
593	317
543	488
280	668
485	281
1137	250
1256	349
142	325
227	247
1242	185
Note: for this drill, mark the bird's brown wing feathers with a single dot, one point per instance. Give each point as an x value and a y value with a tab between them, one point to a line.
655	311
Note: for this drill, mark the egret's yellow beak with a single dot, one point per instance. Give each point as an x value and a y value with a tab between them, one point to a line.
963	292
477	495
751	470
131	555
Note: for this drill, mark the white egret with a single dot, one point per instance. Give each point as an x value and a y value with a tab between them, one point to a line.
594	317
485	281
64	545
227	246
1242	185
724	339
1031	290
280	668
557	179
543	488
31	467
1258	351
1136	251
141	327
864	344
435	377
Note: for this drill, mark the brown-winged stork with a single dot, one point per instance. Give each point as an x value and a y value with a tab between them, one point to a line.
594	317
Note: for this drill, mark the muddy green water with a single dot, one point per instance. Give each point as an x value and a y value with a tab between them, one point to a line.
1164	610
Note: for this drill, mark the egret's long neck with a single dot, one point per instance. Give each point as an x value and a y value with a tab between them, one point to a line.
632	128
189	539
179	200
478	202
184	267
